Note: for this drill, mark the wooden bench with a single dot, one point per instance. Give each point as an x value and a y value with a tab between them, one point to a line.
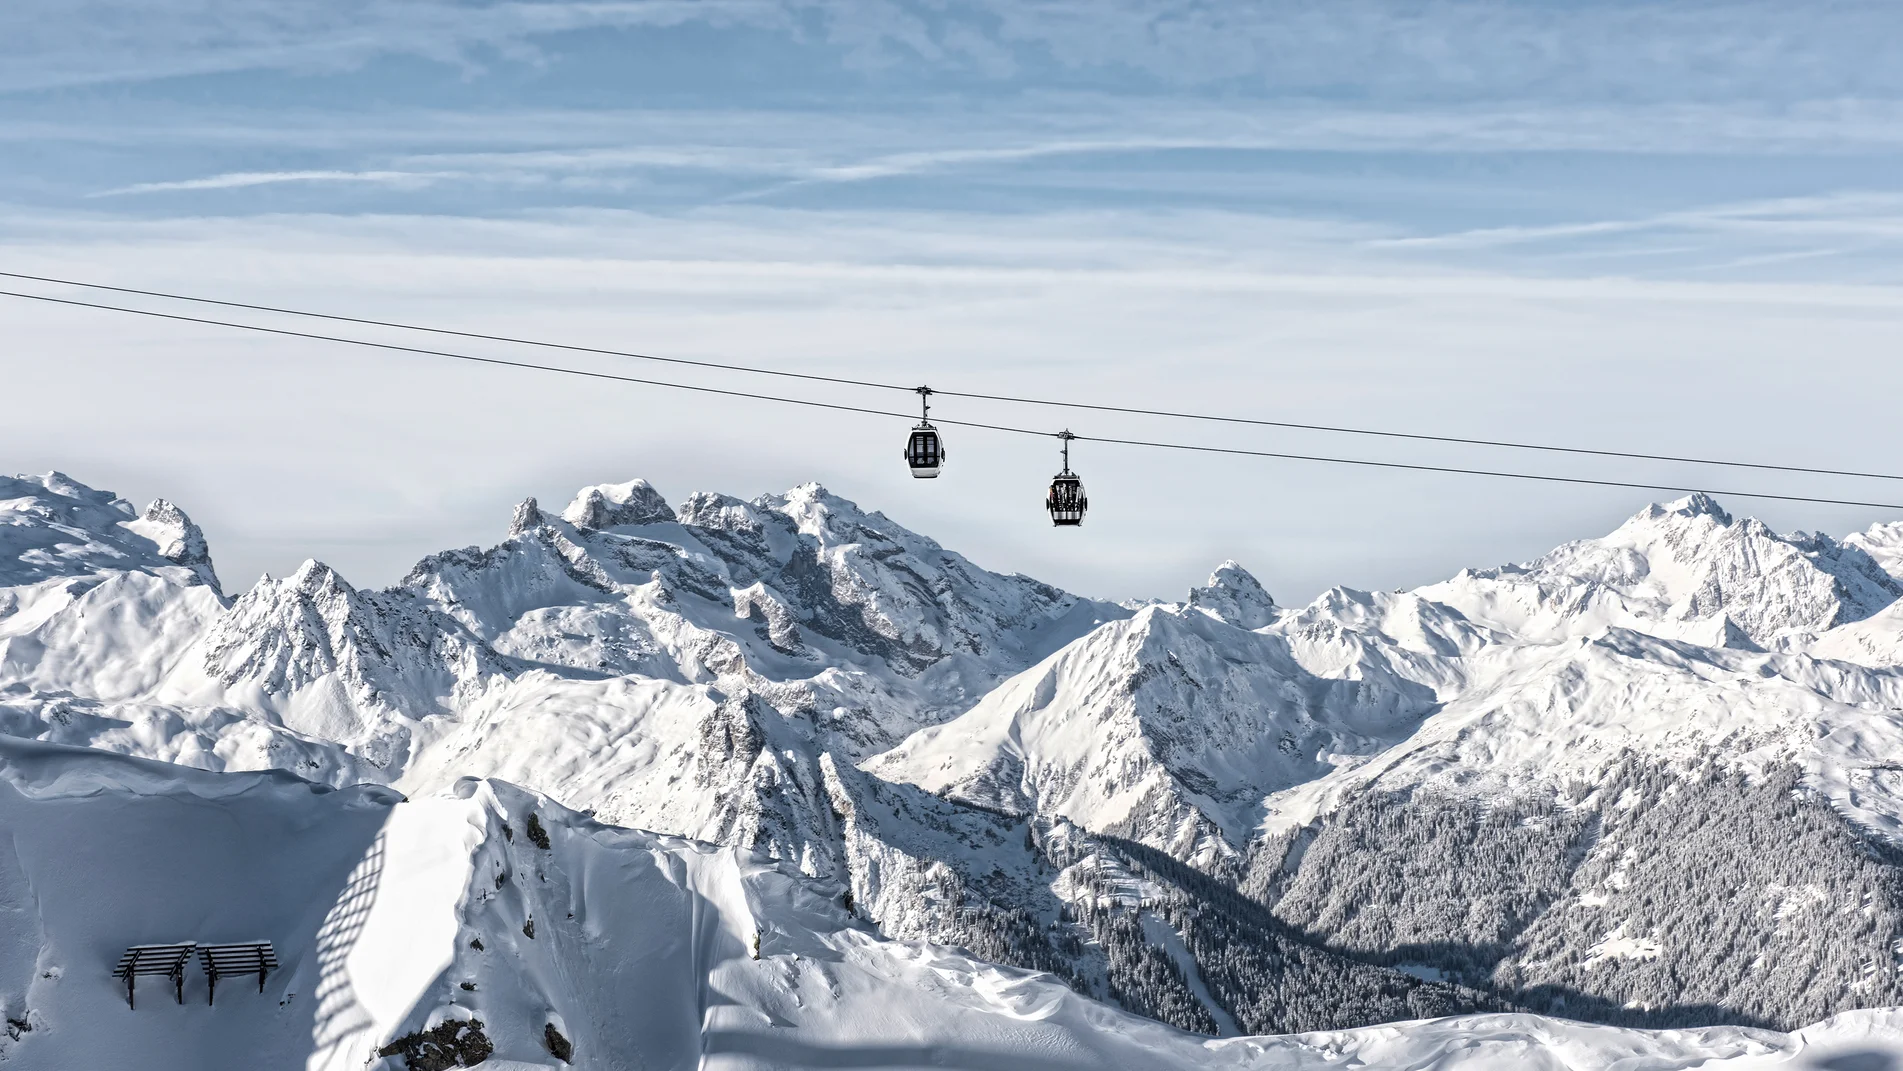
168	960
246	957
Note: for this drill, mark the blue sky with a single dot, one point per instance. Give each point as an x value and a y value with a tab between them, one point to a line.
1660	227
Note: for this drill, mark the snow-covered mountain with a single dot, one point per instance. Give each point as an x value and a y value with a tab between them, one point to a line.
1650	778
1681	633
1171	723
489	926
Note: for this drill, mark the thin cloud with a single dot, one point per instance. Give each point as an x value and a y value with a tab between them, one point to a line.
1725	49
1864	214
913	163
854	143
240	179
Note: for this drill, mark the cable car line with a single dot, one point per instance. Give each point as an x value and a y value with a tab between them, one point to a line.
460	334
480	360
1420	437
1475	472
1066	435
973	395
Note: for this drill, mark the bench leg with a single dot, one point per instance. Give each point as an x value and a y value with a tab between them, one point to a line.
178	981
129	1002
211	997
261	971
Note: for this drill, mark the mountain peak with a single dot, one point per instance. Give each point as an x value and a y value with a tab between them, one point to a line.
1696	504
1234	595
179	540
58	483
528	517
315	578
610	505
53	525
814	508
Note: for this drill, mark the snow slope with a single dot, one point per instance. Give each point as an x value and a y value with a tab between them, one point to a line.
96	598
801	678
1172	723
832	627
391	916
1681	633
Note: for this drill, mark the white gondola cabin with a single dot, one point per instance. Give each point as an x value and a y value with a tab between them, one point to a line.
925	450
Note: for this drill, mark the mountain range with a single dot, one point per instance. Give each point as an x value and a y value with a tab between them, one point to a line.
1652	779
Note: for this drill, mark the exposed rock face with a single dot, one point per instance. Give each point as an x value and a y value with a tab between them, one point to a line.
179	540
528	517
614	505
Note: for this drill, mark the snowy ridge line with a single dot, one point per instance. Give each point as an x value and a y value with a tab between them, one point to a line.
1518	788
1151	444
1051	402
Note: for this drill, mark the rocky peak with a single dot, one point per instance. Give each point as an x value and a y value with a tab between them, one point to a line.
725	513
1684	569
314	589
52	525
1884	545
1696	504
823	515
611	505
1234	595
528	517
179	540
285	634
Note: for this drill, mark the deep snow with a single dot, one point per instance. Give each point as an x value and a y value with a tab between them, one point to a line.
648	951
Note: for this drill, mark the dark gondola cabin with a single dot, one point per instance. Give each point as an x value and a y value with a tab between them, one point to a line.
925	451
1066	500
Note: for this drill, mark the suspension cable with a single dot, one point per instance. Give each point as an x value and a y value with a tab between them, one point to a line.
367	322
975	396
1064	436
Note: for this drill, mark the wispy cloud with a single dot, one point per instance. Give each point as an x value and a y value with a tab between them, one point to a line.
914	163
1443	50
1873	215
854	142
46	43
1452	212
1223	311
240	179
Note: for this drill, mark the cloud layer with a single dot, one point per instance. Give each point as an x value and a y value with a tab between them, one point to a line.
1667	227
1710	50
369	460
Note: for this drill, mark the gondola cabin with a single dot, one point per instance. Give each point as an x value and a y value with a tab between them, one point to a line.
925	452
1066	500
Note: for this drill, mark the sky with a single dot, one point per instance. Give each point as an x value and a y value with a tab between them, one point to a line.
1657	228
